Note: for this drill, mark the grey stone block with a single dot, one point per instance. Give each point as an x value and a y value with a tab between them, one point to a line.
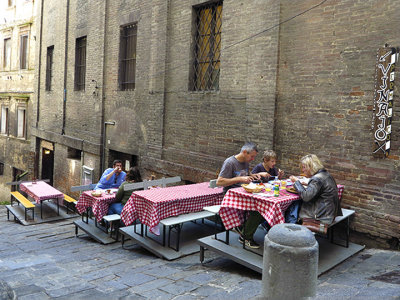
179	287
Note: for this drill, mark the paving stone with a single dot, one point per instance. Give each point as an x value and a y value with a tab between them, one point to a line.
179	287
207	290
90	294
161	271
28	289
133	279
157	295
110	286
36	296
186	297
69	290
148	286
200	278
6	292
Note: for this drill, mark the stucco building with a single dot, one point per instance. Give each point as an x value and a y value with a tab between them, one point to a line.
17	61
177	86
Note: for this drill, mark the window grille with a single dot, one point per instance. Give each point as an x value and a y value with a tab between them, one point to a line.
128	57
207	52
49	67
80	64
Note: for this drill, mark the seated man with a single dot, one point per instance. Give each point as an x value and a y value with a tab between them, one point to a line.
112	177
234	172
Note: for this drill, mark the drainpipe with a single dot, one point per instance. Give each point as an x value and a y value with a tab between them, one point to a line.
103	97
104	141
39	66
65	70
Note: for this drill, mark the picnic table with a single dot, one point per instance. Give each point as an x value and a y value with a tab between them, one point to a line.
99	204
237	201
153	205
41	191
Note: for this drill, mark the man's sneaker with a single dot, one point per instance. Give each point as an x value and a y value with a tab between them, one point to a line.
249	243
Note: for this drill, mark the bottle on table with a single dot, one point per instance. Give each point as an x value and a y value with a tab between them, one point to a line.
276	190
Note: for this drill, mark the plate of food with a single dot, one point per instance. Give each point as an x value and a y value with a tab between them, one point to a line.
97	193
253	188
292	190
111	191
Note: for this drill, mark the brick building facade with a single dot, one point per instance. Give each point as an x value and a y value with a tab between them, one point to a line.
17	61
306	85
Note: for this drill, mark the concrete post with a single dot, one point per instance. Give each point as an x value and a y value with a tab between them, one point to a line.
290	265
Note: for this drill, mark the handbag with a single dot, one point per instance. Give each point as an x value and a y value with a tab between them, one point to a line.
315	225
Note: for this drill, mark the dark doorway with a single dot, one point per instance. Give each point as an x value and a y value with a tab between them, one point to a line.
112	155
47	164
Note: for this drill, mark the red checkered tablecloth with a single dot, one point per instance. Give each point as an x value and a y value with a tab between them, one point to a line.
151	206
237	200
40	191
99	205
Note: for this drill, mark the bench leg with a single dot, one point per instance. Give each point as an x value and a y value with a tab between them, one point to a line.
41	209
201	254
227	237
347	232
8	214
76	230
164	232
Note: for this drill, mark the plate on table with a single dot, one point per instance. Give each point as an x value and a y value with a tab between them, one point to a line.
253	188
292	190
111	191
97	193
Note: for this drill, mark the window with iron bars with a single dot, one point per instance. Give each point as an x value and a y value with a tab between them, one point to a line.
49	67
207	52
127	63
80	64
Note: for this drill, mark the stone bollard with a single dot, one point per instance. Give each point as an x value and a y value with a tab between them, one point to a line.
290	264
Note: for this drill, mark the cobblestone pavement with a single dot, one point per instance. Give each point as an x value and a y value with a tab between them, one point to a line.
47	261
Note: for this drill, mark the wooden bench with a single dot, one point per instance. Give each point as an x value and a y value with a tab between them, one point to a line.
82	188
69	201
330	230
177	223
347	213
112	224
145	184
28	205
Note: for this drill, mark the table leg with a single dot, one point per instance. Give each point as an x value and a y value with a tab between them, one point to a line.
41	209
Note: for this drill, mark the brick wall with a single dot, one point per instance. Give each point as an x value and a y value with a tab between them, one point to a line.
325	96
305	86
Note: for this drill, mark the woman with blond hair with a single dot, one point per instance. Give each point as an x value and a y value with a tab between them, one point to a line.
320	197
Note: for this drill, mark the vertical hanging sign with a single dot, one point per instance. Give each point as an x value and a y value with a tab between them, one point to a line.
383	101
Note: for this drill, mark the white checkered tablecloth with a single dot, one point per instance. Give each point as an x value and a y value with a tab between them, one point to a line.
99	204
151	206
40	191
237	200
